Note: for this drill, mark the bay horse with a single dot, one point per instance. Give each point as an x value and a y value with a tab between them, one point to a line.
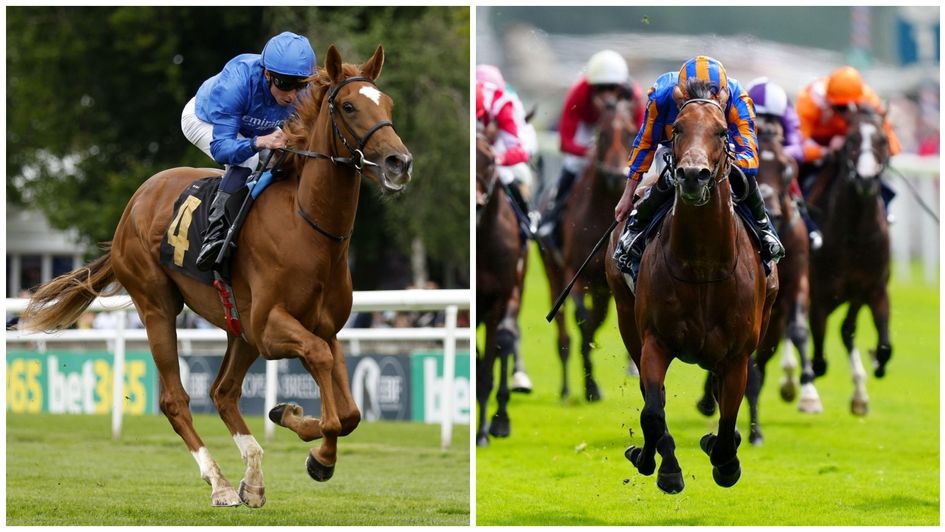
290	272
789	315
701	296
853	264
588	214
498	246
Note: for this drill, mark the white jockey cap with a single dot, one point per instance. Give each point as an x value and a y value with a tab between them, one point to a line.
607	67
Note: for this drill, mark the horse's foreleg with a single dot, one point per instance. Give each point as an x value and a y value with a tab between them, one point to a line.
593	318
226	391
818	331
859	404
756	379
284	336
879	307
656	437
501	426
348	412
564	352
722	448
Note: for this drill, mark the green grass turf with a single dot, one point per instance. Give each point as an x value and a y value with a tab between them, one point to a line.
66	470
564	463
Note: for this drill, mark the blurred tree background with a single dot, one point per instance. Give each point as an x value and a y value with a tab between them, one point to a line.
94	96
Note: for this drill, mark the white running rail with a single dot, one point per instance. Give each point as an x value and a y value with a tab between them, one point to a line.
449	301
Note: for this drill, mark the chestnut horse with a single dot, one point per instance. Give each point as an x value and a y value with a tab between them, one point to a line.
588	214
701	295
498	246
853	264
789	314
291	281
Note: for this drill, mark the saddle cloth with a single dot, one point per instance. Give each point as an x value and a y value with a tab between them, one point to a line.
183	237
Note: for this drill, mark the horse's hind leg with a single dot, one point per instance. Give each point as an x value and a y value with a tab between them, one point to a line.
879	307
859	405
706	404
756	379
722	448
226	391
593	318
175	403
809	400
656	437
485	371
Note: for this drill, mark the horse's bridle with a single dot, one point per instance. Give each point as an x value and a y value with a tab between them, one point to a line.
357	160
717	174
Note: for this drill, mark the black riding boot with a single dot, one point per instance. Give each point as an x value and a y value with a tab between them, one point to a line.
551	218
629	249
233	179
771	248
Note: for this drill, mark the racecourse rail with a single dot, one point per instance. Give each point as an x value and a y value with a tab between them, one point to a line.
449	301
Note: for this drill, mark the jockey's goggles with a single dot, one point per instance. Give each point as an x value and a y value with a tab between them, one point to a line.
287	83
605	87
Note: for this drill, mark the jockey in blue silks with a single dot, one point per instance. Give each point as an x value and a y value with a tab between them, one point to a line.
665	98
238	112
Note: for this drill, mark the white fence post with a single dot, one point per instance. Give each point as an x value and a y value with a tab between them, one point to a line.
272	389
449	375
118	383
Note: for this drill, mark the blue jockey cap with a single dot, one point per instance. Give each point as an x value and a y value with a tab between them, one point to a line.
289	54
706	69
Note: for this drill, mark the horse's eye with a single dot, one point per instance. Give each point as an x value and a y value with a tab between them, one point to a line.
723	133
347	107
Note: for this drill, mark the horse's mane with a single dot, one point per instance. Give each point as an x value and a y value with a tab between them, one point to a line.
699	89
307	107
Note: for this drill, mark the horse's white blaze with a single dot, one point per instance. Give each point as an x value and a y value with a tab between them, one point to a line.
373	94
859	376
867	165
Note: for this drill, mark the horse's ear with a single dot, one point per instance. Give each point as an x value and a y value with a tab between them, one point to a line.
372	68
723	96
333	65
678	96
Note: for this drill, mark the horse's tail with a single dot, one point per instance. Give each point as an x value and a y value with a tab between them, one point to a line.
59	303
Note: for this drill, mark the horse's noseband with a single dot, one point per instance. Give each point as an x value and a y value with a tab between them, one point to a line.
718	174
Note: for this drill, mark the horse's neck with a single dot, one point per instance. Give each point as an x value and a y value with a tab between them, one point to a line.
703	238
856	208
329	192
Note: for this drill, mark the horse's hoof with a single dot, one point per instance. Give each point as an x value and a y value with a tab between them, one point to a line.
521	383
879	372
278	411
788	391
671	483
225	497
706	407
482	440
317	470
501	426
819	366
727	475
755	438
635	455
592	393
252	496
859	407
707	443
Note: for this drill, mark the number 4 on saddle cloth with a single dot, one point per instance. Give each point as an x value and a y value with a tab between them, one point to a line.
184	236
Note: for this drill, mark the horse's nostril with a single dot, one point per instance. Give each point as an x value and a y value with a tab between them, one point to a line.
704	174
398	164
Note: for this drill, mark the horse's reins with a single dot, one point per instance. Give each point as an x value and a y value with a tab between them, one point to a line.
357	160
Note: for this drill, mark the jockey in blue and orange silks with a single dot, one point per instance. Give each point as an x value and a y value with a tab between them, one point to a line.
665	98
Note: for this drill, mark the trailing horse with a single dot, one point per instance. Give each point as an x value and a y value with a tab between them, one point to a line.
588	213
289	272
498	245
853	264
701	296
